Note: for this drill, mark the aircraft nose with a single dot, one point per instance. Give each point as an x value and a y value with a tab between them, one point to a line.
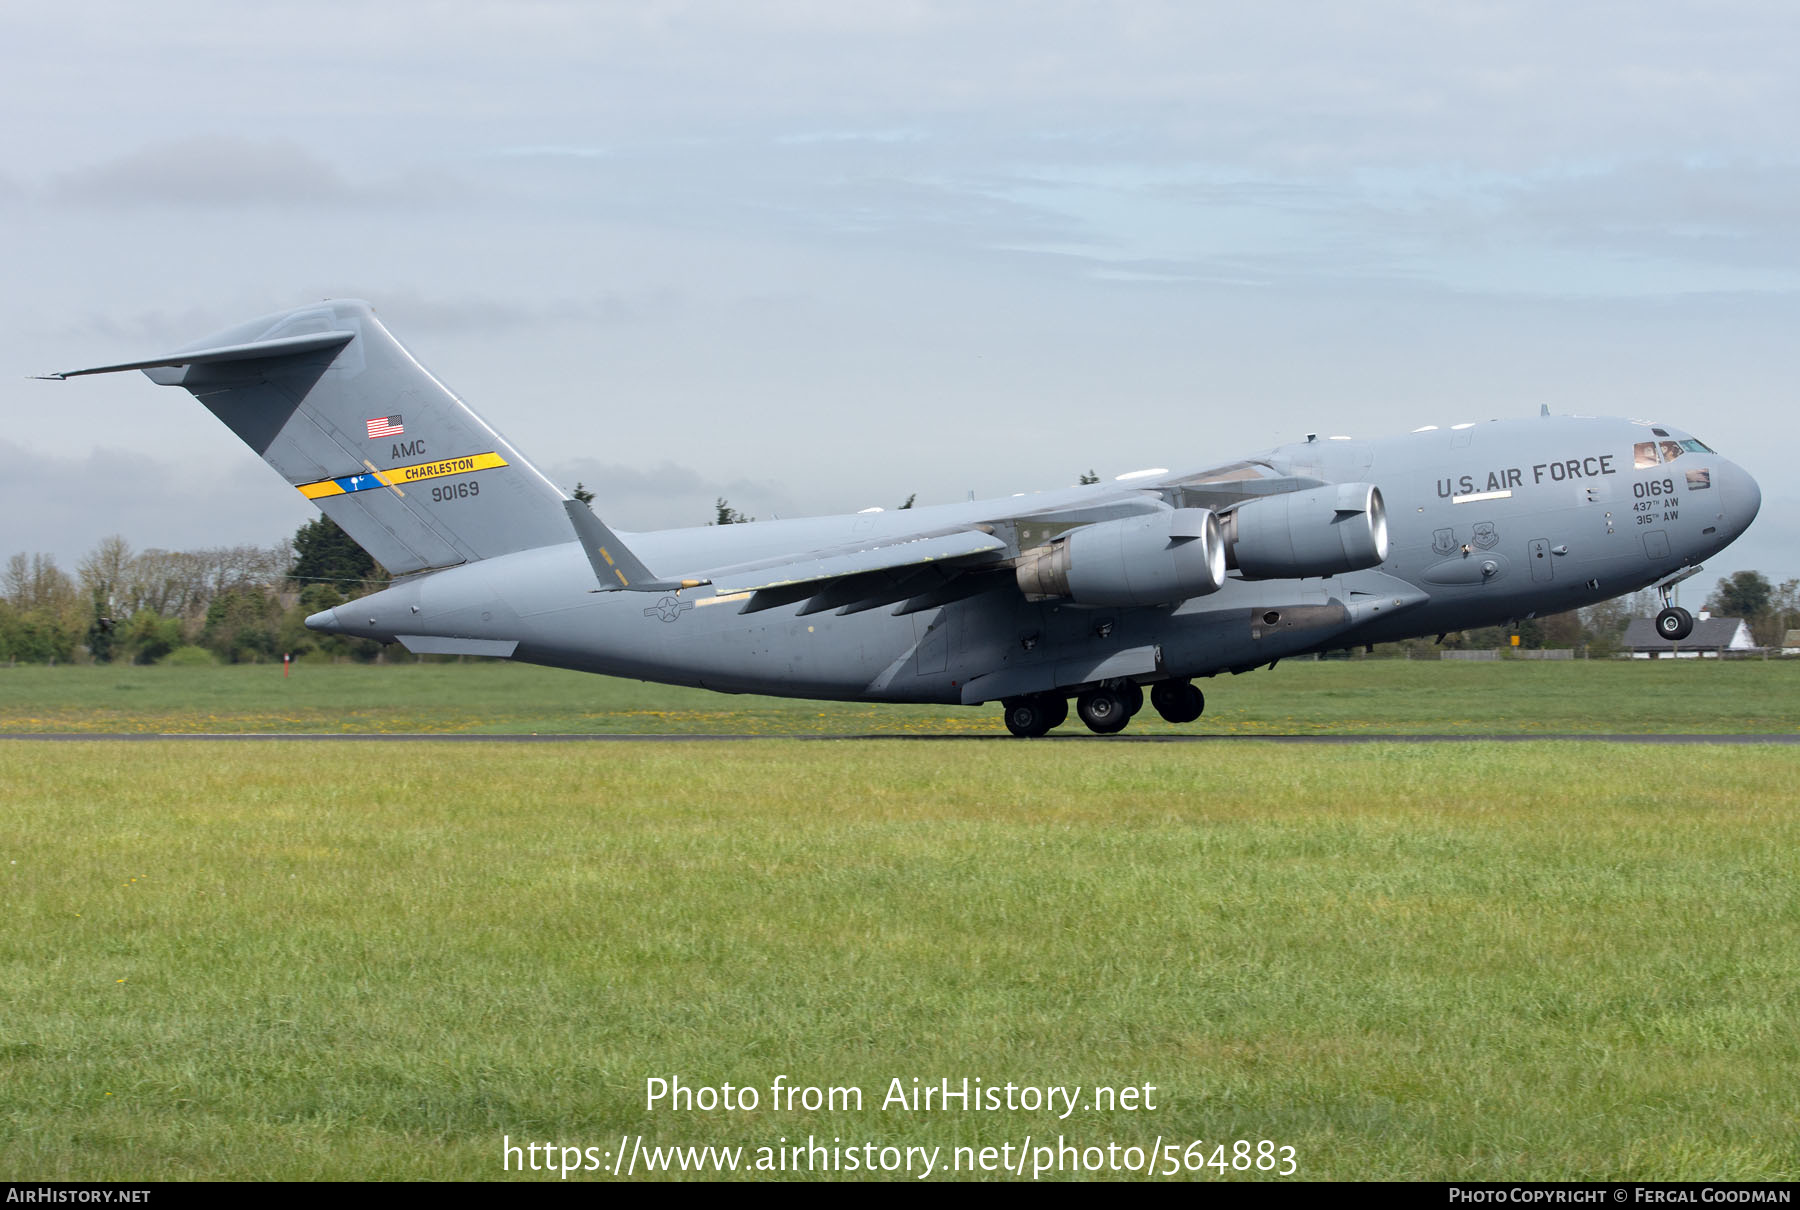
1743	498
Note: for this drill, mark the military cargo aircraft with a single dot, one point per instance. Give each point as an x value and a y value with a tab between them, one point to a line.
1094	593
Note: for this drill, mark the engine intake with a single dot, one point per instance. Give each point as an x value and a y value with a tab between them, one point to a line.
1320	532
1153	559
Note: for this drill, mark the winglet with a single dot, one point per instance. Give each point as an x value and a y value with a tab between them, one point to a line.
614	565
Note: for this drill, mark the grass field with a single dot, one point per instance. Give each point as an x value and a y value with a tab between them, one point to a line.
1395	696
1405	961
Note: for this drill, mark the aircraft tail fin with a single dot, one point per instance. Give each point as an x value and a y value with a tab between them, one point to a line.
334	403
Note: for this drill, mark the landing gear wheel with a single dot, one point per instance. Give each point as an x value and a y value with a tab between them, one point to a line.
1674	624
1177	701
1133	693
1103	710
1059	710
1030	717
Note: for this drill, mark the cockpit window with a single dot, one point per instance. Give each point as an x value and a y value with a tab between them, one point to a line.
1650	453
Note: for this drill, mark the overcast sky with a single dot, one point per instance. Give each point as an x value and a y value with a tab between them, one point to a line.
817	256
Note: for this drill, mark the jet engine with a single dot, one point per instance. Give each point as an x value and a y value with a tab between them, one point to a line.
1320	532
1153	559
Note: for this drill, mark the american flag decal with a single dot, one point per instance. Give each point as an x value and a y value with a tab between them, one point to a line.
385	426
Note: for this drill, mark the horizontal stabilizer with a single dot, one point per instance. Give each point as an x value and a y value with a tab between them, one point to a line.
284	346
615	567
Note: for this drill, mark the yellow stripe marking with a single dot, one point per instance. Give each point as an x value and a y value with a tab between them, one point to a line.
437	470
406	474
376	471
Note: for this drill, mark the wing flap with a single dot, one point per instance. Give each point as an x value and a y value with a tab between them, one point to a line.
909	552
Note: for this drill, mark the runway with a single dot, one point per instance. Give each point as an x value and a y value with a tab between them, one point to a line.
467	738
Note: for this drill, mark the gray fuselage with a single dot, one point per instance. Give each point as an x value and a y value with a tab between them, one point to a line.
1487	523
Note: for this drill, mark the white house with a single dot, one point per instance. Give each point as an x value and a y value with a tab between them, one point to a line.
1712	637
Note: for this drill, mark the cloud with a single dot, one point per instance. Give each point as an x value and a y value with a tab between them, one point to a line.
1736	211
963	194
232	172
207	171
154	502
666	496
411	311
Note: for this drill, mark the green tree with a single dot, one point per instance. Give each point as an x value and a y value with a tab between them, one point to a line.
581	493
909	501
1484	639
1090	477
104	574
1750	596
1786	611
47	615
32	637
325	554
1562	630
293	638
240	625
1743	594
1605	624
724	514
147	636
100	630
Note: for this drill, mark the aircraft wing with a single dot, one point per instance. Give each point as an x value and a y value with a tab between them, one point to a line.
1223	487
852	559
920	570
1219	488
928	568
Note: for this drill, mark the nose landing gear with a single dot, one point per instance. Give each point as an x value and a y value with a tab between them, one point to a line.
1674	623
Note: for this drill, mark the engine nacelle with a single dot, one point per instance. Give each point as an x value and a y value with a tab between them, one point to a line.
1321	532
1155	559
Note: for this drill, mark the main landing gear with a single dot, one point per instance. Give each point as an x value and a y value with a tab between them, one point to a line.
1177	701
1030	717
1106	709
